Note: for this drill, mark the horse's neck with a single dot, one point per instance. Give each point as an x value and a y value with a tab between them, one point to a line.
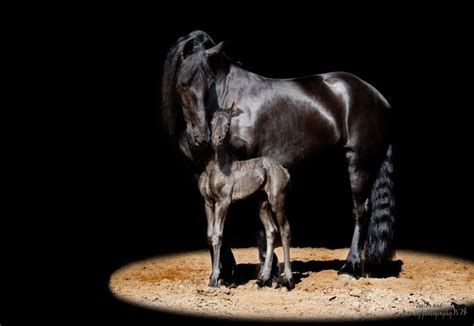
228	89
225	82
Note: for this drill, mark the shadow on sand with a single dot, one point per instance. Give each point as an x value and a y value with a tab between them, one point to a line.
248	272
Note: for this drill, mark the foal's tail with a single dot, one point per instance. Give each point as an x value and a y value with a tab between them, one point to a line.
378	244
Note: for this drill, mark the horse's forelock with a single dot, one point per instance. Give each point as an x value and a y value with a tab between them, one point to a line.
196	64
170	68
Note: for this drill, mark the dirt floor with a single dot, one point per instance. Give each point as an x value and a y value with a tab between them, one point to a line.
426	286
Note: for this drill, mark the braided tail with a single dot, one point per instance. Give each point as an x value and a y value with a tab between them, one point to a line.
379	241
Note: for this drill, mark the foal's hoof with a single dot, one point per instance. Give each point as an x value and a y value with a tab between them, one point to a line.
275	281
353	269
289	283
262	283
214	282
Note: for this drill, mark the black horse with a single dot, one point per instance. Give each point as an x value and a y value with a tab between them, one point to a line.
288	120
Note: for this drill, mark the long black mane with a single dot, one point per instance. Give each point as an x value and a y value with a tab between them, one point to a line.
196	65
170	69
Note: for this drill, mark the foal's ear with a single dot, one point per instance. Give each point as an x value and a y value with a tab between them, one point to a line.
233	109
215	49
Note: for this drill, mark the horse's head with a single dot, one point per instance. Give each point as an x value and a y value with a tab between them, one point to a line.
187	78
193	81
220	125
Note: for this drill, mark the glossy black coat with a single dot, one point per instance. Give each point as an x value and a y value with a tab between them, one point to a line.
288	120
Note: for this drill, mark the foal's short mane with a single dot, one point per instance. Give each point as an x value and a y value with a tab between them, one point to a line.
168	105
220	112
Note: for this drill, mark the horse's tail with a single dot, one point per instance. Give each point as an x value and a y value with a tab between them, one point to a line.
378	244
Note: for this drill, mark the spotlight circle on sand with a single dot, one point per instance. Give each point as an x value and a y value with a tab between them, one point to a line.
427	285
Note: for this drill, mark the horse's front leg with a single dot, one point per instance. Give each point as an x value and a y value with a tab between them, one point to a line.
228	265
220	214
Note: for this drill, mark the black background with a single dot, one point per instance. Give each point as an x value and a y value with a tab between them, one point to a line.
124	193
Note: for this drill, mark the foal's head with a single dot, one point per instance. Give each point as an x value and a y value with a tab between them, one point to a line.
220	125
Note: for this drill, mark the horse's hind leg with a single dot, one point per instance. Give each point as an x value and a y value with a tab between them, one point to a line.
359	176
264	276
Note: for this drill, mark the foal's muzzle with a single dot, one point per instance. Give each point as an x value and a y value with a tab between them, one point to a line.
217	141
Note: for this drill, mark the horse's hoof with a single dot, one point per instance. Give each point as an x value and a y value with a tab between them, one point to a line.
225	283
289	283
228	278
353	269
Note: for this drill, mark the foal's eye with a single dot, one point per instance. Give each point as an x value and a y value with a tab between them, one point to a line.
183	85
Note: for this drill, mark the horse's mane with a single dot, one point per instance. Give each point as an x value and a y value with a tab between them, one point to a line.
195	64
168	110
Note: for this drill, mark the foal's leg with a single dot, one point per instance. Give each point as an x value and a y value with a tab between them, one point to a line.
209	209
270	232
266	213
278	206
360	185
227	258
286	243
220	214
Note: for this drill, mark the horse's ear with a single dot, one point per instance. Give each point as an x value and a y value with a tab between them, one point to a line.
215	49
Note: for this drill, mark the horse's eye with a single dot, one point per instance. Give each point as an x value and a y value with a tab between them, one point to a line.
183	85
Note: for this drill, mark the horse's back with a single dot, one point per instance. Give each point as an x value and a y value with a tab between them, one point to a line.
367	114
290	119
283	119
353	90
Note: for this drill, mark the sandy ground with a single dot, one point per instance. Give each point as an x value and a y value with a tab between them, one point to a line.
426	286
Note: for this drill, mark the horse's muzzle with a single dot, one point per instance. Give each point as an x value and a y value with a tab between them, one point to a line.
199	138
